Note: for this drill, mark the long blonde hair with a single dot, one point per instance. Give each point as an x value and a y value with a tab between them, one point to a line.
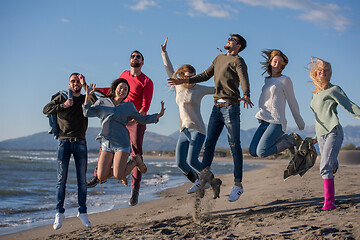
315	65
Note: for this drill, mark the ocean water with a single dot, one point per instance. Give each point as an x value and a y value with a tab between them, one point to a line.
28	180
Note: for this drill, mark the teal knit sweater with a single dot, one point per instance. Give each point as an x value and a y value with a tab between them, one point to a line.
324	105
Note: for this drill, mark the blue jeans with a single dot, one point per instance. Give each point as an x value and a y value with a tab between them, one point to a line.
329	145
79	151
230	117
265	138
188	147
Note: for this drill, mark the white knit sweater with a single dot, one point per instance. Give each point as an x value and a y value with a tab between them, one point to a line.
275	92
188	101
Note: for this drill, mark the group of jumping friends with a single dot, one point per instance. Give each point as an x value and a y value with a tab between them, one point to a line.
122	109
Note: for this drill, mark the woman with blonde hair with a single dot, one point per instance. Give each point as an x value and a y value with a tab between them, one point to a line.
270	137
329	132
192	127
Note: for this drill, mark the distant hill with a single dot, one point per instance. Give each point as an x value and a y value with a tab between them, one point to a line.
45	141
157	142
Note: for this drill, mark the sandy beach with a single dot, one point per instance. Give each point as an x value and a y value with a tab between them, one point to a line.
270	208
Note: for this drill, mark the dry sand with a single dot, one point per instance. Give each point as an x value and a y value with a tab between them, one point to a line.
270	208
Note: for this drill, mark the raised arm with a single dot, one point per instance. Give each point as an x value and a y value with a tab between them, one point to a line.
146	119
162	111
89	92
342	99
167	63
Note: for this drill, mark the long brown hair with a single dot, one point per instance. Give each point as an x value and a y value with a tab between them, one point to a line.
180	73
114	85
269	54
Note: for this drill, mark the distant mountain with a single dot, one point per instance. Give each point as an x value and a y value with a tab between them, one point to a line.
45	141
153	141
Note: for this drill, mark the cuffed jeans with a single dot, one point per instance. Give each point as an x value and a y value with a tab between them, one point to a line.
330	145
79	152
264	139
230	117
188	147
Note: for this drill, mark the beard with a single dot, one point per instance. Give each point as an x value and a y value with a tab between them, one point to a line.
77	90
226	47
135	64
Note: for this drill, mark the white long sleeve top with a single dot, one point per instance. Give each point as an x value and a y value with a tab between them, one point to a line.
275	92
188	101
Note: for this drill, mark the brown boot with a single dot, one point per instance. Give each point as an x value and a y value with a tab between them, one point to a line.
288	141
140	164
297	138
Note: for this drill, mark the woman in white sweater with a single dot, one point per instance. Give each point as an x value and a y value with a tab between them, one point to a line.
270	137
192	127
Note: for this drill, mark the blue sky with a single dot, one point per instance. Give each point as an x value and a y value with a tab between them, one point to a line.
43	41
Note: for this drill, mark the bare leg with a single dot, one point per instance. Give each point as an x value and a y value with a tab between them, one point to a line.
122	167
105	163
120	163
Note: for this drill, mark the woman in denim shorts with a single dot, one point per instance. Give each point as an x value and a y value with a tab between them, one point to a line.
114	114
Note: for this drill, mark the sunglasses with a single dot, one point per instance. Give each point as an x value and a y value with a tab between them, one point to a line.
136	56
233	39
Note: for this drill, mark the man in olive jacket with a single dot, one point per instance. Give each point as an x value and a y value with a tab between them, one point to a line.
71	140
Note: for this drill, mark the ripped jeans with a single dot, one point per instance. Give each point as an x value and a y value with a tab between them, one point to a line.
230	117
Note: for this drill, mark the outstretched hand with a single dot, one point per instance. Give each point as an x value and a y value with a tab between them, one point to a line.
247	102
90	89
162	111
175	81
163	47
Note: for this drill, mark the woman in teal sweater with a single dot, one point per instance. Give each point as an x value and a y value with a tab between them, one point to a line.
329	132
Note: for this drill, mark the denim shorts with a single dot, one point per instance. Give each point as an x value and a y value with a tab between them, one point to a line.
107	146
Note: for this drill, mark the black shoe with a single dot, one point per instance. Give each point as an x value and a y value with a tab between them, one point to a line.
134	197
94	181
215	185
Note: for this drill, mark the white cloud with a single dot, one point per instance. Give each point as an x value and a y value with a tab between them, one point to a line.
209	9
327	15
64	20
143	4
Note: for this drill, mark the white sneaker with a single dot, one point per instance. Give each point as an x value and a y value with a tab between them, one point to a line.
197	185
59	217
84	219
235	193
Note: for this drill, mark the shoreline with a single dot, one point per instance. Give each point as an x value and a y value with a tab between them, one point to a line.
286	209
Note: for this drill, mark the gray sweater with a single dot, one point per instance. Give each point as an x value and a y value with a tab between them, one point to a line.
114	119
